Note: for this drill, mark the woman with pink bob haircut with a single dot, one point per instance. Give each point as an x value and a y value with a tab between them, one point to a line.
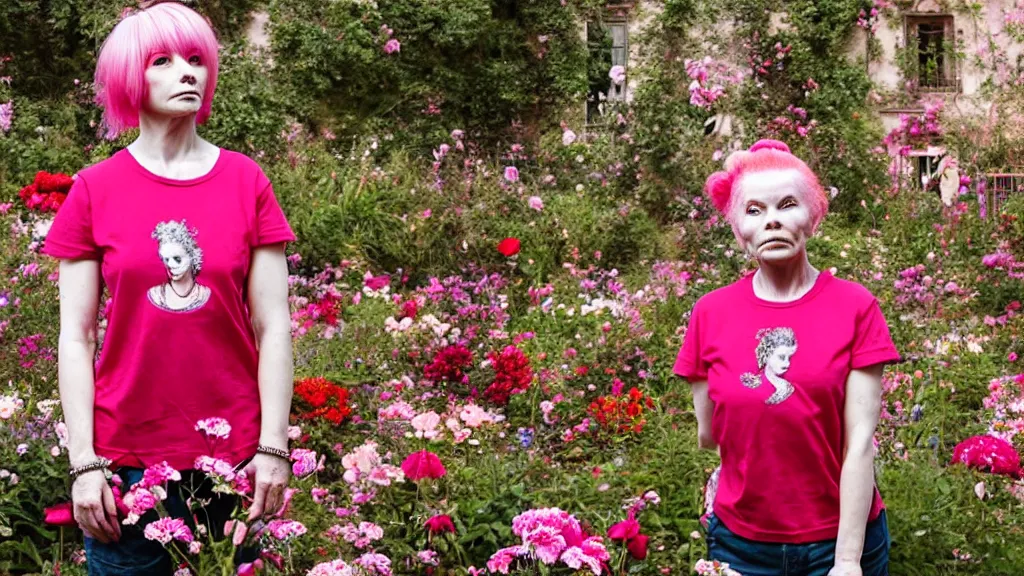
193	381
120	77
785	365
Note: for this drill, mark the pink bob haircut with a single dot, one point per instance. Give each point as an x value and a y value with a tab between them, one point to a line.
165	28
765	155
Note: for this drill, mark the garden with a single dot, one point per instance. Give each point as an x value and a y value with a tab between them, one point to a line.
494	269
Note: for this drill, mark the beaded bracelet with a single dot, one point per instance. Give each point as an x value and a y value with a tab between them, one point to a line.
261	449
98	464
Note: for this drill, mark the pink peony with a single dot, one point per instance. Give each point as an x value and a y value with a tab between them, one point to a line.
392	46
511	174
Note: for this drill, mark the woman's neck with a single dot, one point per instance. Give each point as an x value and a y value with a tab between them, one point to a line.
784	281
167	140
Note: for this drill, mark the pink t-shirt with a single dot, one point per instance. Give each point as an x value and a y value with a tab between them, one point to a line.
172	353
777	375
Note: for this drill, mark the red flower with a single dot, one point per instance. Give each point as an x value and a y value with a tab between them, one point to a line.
628	531
440	524
423	464
324	399
47	192
638	546
409	309
512	374
59	515
988	453
625	530
509	247
448	365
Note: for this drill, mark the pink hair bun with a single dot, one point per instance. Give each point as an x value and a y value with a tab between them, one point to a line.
719	189
771	145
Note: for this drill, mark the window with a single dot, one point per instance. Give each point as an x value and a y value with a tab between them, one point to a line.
607	47
620	56
931	40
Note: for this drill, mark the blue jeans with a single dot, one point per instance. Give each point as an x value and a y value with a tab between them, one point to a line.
752	558
134	555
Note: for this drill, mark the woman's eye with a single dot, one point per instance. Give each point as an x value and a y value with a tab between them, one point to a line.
195	60
160	61
752	211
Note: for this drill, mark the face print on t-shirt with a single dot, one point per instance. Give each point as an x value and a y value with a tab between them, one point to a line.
183	259
775	349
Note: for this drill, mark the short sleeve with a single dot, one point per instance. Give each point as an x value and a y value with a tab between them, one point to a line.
872	343
271	225
71	234
690	362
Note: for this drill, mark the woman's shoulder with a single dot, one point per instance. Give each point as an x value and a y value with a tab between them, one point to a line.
109	167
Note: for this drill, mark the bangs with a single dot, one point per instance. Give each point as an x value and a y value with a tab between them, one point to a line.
168	28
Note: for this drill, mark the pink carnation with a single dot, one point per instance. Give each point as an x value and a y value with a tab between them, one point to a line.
166	529
214	427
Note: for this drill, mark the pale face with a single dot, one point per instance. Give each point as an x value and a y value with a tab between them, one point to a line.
176	84
778	362
772	219
176	259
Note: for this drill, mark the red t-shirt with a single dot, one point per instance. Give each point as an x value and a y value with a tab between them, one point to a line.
172	354
777	373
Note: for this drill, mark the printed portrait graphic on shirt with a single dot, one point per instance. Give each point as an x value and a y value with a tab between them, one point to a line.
183	259
775	348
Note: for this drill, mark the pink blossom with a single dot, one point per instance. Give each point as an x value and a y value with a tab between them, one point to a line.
392	46
511	174
285	529
304	462
332	568
166	529
475	416
501	560
428	557
617	74
568	137
6	116
374	563
215	427
535	203
426	424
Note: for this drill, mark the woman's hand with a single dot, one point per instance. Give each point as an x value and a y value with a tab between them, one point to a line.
94	507
269	476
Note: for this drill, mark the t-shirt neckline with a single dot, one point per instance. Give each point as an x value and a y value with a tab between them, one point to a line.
824	276
221	156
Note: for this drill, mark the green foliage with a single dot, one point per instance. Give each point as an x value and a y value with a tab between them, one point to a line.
478	64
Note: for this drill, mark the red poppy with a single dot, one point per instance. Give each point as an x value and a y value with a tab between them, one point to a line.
509	247
423	464
440	523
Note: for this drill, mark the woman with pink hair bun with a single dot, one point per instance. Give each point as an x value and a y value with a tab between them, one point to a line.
189	241
785	365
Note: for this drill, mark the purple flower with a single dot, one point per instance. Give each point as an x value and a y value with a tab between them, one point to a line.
392	46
